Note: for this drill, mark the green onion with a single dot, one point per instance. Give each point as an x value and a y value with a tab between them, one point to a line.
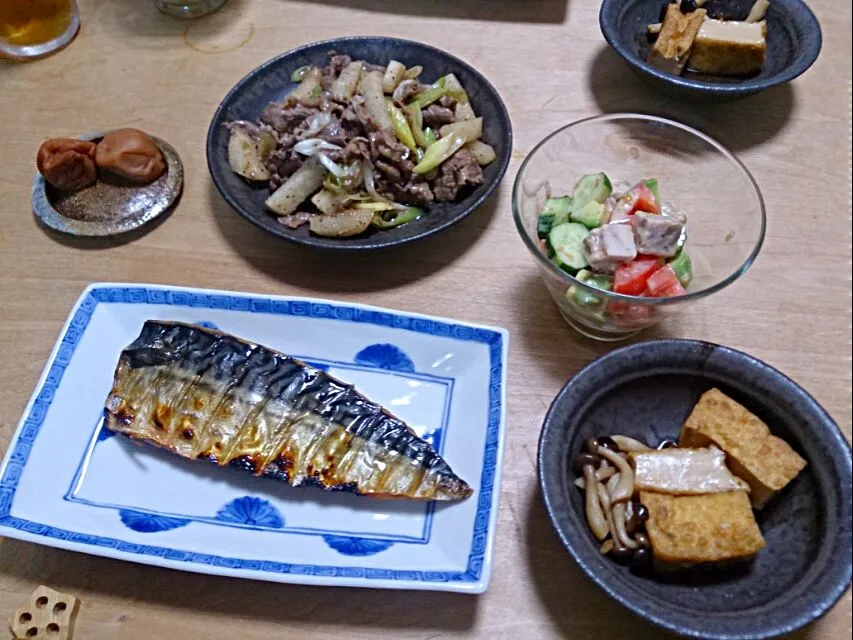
426	98
315	93
299	74
401	126
416	123
439	152
394	218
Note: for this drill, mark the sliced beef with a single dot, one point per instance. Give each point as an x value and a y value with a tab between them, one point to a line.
416	191
405	91
295	220
332	70
447	102
337	62
460	171
357	149
351	123
285	119
385	146
389	171
334	133
436	116
281	164
392	160
335	107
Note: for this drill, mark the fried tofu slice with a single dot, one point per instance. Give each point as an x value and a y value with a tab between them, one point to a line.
684	472
690	530
765	462
729	48
675	41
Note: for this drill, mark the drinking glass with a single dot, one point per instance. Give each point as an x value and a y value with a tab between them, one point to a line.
31	29
189	8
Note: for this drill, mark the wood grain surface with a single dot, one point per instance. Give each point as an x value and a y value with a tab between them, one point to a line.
130	66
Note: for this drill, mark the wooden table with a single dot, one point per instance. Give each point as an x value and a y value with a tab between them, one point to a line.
131	66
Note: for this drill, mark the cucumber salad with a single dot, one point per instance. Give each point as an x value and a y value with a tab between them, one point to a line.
626	241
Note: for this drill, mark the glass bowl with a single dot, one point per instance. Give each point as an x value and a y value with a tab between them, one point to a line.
696	174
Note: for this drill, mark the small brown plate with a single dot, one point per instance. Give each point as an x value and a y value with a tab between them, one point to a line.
112	205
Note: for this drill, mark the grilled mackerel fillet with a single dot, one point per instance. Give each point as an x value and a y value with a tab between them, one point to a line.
206	395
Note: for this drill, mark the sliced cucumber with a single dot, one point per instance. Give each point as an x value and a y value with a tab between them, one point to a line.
595	186
593	214
599	281
544	224
559	207
683	267
654	187
567	242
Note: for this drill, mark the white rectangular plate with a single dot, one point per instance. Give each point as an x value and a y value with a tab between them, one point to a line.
68	482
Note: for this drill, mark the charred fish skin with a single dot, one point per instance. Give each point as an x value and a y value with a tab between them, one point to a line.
204	394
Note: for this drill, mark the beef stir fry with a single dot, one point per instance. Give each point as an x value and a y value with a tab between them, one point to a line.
356	146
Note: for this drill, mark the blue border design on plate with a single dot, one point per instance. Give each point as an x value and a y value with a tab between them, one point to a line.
20	451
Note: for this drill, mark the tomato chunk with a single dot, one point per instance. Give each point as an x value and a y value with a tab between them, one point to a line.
629	315
664	283
631	278
644	199
673	291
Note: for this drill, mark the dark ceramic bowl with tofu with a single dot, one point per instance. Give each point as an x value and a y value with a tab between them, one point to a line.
713	53
648	391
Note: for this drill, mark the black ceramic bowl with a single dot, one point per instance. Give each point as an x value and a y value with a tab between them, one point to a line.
793	44
646	391
271	82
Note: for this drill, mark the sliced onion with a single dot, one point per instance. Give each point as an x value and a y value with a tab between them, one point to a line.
316	124
314	146
331	166
330	183
353	175
401	89
374	206
370	185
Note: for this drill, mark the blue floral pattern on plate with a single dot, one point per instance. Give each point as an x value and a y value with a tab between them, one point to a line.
207	325
385	356
149	522
351	546
251	511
